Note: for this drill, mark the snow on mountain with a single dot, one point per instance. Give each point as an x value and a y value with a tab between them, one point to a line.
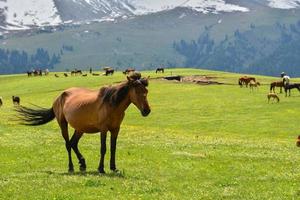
21	14
204	6
284	4
214	5
112	8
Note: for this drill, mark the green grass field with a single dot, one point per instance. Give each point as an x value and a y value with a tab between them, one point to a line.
199	142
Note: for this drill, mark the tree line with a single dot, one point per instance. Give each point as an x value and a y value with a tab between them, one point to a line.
264	50
15	61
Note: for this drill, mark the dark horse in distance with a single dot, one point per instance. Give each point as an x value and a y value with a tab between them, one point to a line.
160	69
92	111
276	84
109	72
288	87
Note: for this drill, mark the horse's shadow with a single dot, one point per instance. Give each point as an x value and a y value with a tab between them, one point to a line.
118	174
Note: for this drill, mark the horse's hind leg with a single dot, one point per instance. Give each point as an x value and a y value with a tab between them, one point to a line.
103	151
64	131
113	145
74	144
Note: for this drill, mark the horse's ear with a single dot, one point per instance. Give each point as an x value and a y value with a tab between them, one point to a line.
144	81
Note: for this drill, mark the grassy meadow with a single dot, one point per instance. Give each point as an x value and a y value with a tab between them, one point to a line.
199	142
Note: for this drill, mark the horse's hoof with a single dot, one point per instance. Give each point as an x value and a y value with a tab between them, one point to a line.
115	170
101	171
82	169
71	171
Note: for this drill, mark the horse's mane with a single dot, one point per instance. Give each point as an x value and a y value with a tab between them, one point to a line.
114	94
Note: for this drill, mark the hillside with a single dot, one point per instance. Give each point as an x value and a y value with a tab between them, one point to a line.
259	36
220	141
148	41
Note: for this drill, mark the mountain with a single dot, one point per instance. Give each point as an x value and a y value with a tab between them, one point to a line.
18	15
25	14
257	36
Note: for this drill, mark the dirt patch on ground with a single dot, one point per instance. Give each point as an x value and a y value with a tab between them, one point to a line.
198	79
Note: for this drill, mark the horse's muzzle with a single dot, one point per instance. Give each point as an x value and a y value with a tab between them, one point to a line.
145	112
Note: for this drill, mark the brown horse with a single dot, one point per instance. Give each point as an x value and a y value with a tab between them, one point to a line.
272	96
253	85
276	84
92	111
245	80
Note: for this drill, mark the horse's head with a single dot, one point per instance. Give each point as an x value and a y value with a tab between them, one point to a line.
138	92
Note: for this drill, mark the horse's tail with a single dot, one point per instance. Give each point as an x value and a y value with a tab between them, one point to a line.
35	117
240	82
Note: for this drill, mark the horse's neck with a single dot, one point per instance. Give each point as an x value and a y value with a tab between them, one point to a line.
123	105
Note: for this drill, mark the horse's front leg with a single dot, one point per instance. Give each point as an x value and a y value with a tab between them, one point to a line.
113	145
285	91
103	151
280	90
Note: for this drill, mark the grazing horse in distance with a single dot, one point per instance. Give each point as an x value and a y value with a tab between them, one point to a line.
288	87
29	73
128	70
76	72
92	111
35	72
16	100
109	72
272	96
160	69
276	84
245	80
253	85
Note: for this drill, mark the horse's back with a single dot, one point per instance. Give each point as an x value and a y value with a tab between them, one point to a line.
76	104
